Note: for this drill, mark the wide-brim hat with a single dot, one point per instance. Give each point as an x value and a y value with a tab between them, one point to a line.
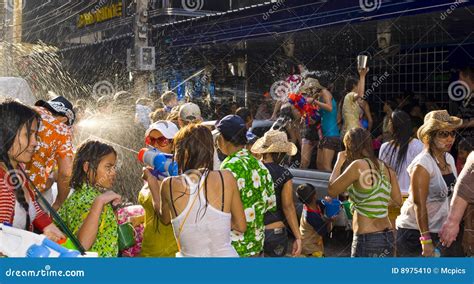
310	84
59	106
274	141
437	120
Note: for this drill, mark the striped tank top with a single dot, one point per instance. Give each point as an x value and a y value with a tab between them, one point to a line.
372	202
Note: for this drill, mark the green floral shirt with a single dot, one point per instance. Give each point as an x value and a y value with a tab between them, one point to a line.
258	197
75	210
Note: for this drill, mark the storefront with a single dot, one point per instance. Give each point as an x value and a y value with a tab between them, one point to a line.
412	45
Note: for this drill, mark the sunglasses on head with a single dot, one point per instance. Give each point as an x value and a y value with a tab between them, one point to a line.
445	134
161	141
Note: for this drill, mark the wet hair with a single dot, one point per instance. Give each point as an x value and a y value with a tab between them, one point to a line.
14	116
463	145
278	158
244	113
358	143
350	83
159	114
91	151
167	97
402	132
194	148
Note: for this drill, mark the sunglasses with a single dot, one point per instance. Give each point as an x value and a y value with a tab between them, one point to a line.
445	134
161	141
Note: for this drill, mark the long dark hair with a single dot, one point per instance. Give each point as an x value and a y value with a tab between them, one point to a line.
358	143
91	151
194	149
402	131
13	116
350	83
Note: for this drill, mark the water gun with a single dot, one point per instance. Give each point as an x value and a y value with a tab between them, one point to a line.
162	163
20	243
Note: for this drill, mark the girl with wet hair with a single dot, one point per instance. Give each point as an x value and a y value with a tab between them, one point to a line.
372	186
88	211
201	204
18	207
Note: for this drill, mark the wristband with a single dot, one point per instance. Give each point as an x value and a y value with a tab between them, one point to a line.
425	242
422	238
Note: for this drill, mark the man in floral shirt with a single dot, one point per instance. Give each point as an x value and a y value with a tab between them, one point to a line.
54	148
254	181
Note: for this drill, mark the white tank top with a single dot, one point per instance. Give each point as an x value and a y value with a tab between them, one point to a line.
206	232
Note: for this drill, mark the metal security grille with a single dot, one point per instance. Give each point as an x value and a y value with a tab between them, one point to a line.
417	73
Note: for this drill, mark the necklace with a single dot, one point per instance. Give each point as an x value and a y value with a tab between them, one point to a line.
443	168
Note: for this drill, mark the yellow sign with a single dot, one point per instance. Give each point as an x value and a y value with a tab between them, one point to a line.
101	14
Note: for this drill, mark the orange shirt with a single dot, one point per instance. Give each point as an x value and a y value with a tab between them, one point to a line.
54	142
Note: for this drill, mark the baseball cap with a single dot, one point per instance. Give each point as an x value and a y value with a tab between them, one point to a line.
230	126
167	128
59	106
190	112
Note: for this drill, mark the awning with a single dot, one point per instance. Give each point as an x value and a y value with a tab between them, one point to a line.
287	16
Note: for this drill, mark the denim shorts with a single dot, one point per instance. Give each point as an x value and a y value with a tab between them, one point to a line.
379	244
276	242
408	244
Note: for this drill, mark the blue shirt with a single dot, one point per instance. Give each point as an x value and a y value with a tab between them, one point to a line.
329	121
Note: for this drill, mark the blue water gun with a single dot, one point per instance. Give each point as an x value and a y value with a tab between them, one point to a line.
162	163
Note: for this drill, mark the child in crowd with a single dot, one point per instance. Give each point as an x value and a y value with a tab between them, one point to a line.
88	211
313	224
464	148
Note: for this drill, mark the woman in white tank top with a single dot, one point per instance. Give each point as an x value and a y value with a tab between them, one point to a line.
202	205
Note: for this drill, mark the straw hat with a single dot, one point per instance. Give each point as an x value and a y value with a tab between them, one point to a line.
274	141
310	84
437	120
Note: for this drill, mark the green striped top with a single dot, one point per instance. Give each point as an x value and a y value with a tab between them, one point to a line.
372	202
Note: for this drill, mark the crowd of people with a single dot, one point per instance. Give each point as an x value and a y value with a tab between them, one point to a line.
233	194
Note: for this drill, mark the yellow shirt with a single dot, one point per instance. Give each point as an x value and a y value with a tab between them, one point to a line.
158	239
351	113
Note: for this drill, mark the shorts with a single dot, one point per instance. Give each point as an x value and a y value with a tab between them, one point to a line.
379	244
276	242
331	143
310	133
